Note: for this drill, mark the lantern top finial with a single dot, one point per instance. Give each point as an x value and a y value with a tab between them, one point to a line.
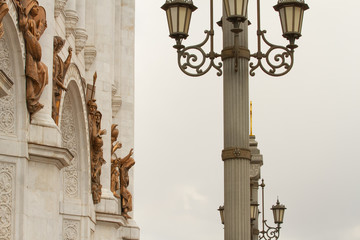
187	3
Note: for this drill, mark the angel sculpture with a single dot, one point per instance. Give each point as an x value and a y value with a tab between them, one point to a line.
4	9
32	23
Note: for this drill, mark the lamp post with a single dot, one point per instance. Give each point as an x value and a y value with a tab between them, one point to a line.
235	56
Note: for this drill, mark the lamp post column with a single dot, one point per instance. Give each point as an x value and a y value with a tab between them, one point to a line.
236	153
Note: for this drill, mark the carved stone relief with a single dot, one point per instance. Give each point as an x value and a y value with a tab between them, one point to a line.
71	19
4	9
7	103
70	141
32	22
71	229
59	71
96	143
7	203
80	39
59	7
90	55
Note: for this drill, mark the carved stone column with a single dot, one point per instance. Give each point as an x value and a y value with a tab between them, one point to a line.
80	32
104	39
90	50
43	117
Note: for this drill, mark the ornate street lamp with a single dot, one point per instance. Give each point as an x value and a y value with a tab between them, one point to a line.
236	10
178	14
278	212
275	61
291	17
254	210
268	232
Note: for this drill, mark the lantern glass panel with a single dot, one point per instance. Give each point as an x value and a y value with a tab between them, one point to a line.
297	14
182	19
174	19
289	19
187	20
168	15
283	20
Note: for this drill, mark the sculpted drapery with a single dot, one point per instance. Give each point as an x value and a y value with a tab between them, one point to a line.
4	9
32	23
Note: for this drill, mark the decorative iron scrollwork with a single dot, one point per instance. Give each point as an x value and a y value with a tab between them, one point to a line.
279	59
269	233
194	57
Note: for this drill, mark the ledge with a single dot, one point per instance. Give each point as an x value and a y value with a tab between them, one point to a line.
60	157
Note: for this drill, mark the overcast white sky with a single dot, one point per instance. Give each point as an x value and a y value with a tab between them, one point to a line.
306	123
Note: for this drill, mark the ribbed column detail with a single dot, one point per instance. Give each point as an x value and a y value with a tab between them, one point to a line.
236	134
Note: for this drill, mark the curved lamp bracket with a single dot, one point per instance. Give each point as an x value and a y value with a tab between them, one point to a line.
194	57
278	59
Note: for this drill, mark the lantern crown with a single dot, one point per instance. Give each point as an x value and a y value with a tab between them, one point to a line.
178	14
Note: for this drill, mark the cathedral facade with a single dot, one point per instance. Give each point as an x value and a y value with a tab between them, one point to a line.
67	120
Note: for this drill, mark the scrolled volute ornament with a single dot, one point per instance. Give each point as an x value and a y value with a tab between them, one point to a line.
278	59
269	233
195	58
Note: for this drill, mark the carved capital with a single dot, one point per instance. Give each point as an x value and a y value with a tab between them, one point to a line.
80	39
90	55
236	153
71	19
116	101
59	7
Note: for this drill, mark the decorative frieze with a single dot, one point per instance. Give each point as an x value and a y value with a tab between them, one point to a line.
70	141
71	229
7	103
7	203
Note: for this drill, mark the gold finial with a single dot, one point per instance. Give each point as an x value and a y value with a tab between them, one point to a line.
251	118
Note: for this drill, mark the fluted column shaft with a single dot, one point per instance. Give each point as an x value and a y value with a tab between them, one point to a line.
236	135
43	117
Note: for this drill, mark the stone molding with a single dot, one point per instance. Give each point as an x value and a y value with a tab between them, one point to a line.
111	218
58	156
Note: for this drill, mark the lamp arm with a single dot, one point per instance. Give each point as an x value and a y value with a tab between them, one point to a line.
193	61
279	59
269	233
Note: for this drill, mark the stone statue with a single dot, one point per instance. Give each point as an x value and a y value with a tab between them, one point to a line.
59	71
120	174
4	9
115	174
96	143
126	198
32	22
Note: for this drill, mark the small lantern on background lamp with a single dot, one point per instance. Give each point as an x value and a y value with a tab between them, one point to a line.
278	211
291	17
221	211
254	210
236	10
178	14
